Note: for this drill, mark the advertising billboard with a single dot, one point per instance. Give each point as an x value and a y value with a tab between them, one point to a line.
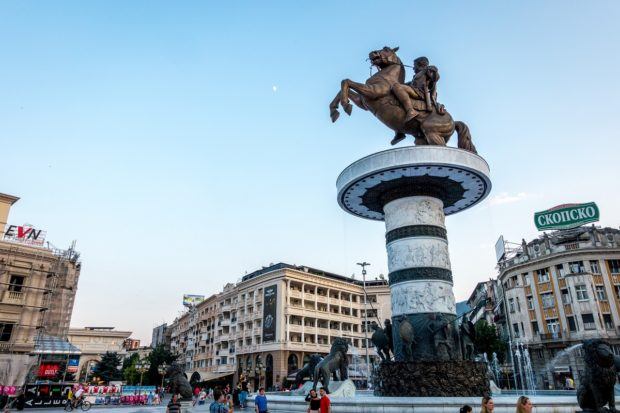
566	216
270	299
25	234
190	300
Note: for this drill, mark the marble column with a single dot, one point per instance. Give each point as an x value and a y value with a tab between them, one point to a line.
420	277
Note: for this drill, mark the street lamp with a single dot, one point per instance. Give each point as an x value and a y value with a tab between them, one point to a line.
142	366
162	370
364	265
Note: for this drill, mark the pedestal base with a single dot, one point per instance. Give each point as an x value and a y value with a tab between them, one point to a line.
456	378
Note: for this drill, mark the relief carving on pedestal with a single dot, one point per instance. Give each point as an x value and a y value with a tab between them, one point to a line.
418	253
422	297
405	211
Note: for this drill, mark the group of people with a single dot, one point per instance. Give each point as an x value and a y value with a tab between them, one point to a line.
318	404
524	405
223	400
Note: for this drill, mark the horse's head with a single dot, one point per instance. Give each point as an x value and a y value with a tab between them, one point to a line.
384	57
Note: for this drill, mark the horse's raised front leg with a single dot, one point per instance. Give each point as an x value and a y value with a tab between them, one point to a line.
333	108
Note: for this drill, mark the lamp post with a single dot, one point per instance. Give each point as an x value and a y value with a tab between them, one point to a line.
162	370
364	265
142	366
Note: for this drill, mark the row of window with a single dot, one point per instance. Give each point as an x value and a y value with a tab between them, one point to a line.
574	267
553	325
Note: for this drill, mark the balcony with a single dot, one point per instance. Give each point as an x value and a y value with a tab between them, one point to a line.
550	336
295	294
13	297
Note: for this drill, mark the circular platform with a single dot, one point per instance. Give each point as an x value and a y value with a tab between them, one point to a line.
460	179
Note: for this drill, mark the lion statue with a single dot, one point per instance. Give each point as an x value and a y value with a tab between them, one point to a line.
597	382
308	369
336	360
178	382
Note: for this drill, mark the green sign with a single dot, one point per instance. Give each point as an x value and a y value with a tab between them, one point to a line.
566	216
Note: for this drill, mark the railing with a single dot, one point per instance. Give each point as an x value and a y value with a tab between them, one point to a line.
550	336
589	326
13	297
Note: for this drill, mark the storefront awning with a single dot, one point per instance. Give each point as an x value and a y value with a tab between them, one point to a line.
213	376
54	345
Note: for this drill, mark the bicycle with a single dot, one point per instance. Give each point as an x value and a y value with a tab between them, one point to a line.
82	404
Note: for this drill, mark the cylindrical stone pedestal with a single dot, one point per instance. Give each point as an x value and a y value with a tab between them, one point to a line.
412	189
420	279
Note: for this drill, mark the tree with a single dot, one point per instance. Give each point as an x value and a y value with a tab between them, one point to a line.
130	374
488	341
107	369
156	358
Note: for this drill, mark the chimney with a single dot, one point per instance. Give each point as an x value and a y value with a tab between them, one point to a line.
5	206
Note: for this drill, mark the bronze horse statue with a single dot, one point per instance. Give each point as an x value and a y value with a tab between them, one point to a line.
335	361
430	127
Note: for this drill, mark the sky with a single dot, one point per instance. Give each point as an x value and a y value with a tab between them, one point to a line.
183	144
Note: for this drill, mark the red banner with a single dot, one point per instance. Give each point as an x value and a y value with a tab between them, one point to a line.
48	370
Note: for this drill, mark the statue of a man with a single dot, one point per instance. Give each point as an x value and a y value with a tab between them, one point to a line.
423	88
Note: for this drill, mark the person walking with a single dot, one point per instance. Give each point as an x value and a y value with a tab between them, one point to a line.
260	401
524	405
487	405
174	406
314	402
325	405
219	402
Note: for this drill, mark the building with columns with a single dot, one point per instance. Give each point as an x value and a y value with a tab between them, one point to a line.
556	291
268	324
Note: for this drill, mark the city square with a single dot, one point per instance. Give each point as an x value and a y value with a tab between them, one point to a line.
429	240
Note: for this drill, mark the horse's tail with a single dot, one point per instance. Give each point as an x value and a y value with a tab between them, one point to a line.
464	137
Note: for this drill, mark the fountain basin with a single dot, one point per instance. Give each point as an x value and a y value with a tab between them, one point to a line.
372	404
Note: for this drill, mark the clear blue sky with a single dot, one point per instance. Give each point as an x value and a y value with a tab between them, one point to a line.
183	144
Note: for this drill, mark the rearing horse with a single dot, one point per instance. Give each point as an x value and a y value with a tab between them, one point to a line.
429	127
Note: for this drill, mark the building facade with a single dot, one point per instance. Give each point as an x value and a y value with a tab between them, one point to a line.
159	336
93	342
266	326
557	291
38	284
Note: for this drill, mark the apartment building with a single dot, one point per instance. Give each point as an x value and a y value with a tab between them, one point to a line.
266	326
38	284
558	290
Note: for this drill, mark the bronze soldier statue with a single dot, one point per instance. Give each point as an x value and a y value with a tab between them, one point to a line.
422	88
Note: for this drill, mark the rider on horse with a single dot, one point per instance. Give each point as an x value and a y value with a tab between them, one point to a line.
422	88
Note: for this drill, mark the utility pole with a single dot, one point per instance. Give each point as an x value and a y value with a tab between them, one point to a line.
364	265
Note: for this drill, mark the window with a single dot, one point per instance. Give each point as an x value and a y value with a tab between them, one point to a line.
614	266
547	300
559	269
511	304
553	326
600	293
518	305
526	279
515	328
535	327
588	321
566	296
576	267
571	323
582	292
594	267
617	290
543	275
608	321
17	283
5	332
530	303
